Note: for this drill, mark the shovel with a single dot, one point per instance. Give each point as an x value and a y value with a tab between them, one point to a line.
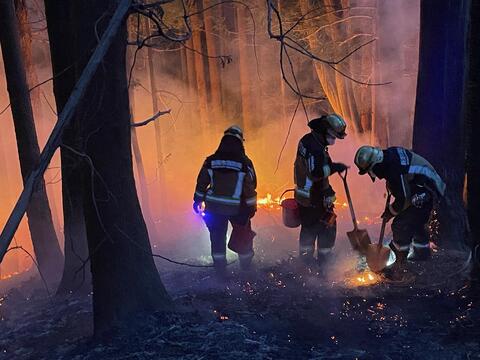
358	238
377	255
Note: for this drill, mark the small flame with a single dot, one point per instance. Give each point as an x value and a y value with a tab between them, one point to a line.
269	202
367	278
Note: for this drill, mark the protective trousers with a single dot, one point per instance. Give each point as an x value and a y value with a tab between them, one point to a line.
317	227
217	226
409	227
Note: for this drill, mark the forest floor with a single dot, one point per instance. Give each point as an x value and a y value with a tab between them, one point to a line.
277	311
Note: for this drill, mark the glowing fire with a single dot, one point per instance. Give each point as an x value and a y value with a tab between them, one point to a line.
9	276
366	278
269	202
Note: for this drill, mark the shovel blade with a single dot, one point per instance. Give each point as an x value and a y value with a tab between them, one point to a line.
377	257
359	239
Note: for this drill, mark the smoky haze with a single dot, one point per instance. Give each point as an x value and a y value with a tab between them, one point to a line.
187	138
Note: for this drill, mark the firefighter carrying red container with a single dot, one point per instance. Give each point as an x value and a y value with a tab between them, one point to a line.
313	193
227	185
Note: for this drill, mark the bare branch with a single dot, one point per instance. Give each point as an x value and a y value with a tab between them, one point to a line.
150	119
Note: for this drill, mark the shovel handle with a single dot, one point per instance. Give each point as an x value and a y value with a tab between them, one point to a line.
384	222
349	198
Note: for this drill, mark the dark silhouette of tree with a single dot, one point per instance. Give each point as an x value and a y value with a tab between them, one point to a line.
66	67
438	123
472	111
124	277
45	243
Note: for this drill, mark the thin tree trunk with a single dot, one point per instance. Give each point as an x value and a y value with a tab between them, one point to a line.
201	90
45	243
32	79
158	130
35	94
142	178
76	276
155	109
212	50
244	73
192	76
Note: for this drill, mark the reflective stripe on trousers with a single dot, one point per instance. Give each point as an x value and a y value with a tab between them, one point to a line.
401	248
420	245
324	251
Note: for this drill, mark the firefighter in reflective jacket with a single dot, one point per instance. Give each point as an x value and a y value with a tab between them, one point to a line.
414	184
226	184
313	193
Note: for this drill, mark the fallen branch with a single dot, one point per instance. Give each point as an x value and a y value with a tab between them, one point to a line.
150	119
63	120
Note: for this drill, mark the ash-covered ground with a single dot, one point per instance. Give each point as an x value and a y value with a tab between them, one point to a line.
278	311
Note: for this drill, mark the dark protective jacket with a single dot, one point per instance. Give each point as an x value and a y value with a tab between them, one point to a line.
311	171
227	183
407	174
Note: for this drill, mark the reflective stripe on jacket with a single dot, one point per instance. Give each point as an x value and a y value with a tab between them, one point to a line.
406	174
311	172
226	185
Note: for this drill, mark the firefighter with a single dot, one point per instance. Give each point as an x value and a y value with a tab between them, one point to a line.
415	185
313	193
226	185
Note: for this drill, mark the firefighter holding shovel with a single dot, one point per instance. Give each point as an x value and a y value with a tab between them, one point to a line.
414	184
313	193
226	185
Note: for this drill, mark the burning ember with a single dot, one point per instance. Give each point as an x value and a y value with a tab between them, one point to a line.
9	276
366	278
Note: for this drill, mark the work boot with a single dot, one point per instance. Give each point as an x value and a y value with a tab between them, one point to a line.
398	271
306	258
245	261
220	266
362	264
423	253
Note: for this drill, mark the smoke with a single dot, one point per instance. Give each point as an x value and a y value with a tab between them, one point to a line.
186	139
397	61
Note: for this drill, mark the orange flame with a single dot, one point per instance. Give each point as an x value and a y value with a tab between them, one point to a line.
366	278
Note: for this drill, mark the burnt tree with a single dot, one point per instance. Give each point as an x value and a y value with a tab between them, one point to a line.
66	68
124	277
472	109
44	239
438	123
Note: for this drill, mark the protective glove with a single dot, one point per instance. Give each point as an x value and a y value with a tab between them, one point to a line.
338	167
196	207
387	215
328	202
420	199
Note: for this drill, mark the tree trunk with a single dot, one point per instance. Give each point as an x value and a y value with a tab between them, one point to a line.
76	276
45	243
137	154
155	109
244	72
32	79
200	67
438	124
472	109
212	50
125	280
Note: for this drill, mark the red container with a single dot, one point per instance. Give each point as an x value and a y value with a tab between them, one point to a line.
290	213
